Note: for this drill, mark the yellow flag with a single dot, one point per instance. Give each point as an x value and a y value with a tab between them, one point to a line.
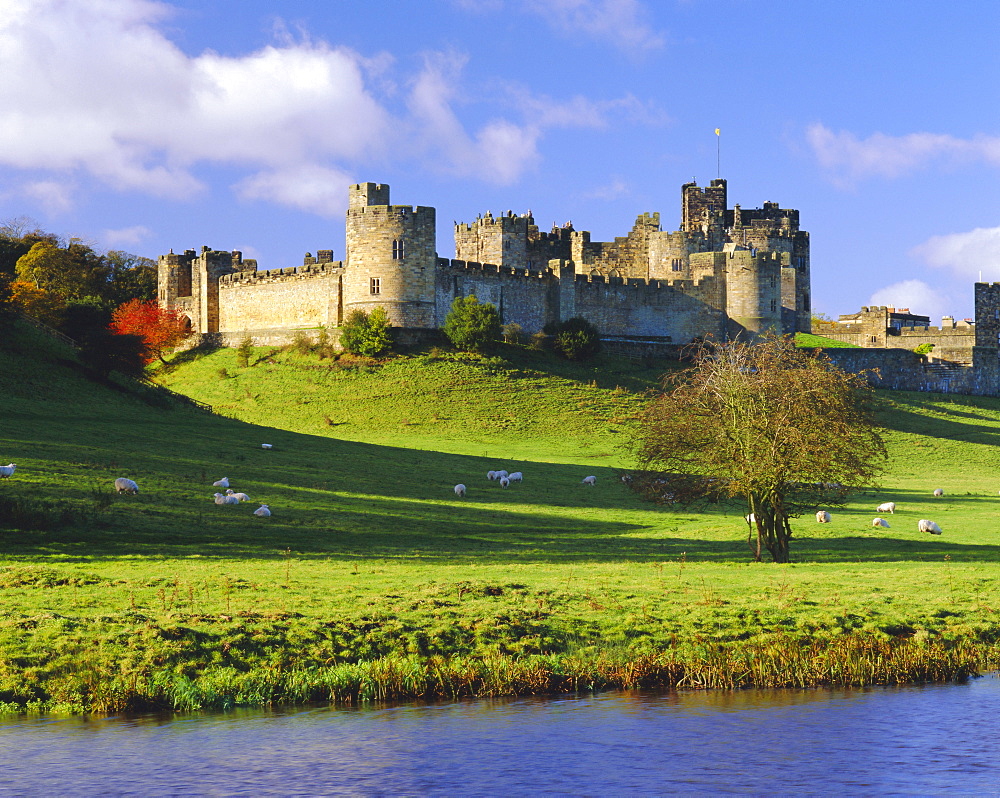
717	132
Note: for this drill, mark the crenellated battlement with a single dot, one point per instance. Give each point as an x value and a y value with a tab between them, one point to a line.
288	273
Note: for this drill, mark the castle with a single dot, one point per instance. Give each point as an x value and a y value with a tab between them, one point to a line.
726	272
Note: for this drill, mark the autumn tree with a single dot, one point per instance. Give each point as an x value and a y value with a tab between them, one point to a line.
73	271
782	428
160	329
46	306
128	277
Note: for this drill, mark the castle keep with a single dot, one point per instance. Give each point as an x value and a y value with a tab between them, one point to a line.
726	272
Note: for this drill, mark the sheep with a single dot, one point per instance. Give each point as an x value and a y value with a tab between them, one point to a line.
491	475
239	496
886	507
222	498
222	483
750	518
823	517
504	482
262	512
923	525
880	522
266	446
124	485
7	471
938	492
591	480
460	490
517	476
501	474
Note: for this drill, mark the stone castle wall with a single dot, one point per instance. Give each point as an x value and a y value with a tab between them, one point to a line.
294	298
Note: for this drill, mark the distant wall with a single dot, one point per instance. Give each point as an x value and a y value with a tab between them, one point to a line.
306	296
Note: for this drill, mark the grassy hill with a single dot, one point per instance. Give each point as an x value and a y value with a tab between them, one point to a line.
373	579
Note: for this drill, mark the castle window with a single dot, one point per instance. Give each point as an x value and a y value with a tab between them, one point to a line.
774	305
376	285
397	249
677	265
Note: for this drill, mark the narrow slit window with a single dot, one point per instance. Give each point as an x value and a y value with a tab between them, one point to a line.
376	285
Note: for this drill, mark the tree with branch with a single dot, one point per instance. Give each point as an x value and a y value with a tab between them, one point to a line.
782	428
161	329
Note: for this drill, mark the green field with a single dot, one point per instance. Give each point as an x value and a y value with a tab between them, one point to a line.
373	579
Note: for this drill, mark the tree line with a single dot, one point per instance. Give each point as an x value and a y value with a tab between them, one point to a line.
105	301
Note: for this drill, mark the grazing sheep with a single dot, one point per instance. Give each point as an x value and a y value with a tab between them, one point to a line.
750	519
823	517
880	522
591	480
517	476
501	474
222	483
491	475
504	482
266	446
222	498
124	485
923	525
7	471
938	492
239	496
887	507
262	511
460	490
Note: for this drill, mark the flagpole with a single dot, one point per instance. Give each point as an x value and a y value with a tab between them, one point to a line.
718	153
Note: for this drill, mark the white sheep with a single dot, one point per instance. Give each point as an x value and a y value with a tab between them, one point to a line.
266	446
923	525
460	490
886	507
823	517
262	512
7	471
938	492
501	474
880	522
491	475
222	483
591	480
222	498
239	496
750	518
504	482
517	476
124	485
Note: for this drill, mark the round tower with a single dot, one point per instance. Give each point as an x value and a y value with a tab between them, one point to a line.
391	256
753	291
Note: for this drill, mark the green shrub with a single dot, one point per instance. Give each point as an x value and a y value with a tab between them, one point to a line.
366	334
243	352
577	339
924	349
472	326
512	333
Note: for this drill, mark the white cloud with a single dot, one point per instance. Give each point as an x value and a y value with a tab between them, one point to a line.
125	236
916	295
849	158
95	86
621	23
314	189
54	196
614	190
966	254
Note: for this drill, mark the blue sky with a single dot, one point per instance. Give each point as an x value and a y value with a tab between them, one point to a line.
147	126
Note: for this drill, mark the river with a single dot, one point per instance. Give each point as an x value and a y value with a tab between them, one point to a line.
909	740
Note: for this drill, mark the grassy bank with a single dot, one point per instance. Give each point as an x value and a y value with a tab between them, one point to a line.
372	579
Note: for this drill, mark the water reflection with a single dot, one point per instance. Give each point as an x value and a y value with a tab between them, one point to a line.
903	740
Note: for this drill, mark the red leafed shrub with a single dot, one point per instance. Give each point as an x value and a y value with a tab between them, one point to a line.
160	329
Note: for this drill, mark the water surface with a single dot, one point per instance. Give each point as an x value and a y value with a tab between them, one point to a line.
913	740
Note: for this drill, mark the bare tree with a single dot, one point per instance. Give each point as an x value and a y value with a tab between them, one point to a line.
783	428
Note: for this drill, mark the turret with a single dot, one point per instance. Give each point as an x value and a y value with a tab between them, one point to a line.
390	257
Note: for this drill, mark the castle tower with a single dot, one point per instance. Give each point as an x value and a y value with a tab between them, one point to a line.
753	288
391	257
500	240
986	352
189	283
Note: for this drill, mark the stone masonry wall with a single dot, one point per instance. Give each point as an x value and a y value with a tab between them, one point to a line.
527	297
307	296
